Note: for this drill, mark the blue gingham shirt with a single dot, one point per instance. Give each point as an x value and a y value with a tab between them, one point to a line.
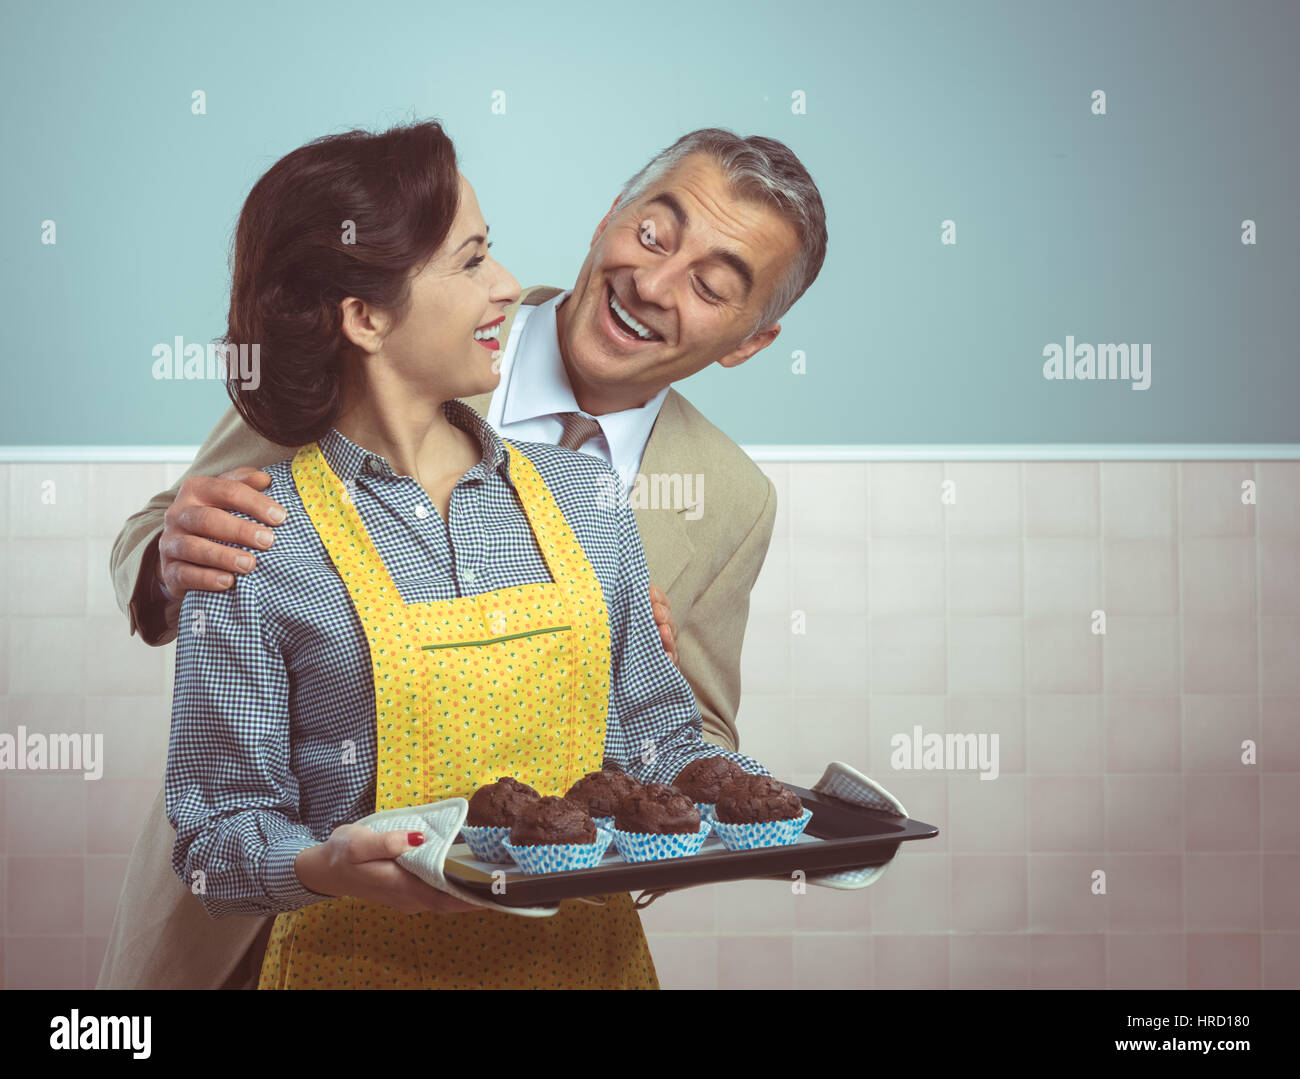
274	677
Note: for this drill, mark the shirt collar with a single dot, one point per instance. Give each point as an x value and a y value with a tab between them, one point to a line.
540	387
350	461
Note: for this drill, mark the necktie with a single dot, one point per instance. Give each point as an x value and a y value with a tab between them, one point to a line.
577	429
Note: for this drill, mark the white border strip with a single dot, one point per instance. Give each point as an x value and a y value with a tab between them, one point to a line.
1140	451
1087	451
97	454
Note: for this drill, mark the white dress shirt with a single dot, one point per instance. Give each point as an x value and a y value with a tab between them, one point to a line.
534	387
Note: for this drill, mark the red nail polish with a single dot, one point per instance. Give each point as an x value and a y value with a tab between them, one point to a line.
415	838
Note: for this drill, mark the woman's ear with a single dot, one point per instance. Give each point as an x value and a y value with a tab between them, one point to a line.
363	325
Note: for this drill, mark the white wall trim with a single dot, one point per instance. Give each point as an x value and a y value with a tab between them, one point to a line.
98	455
1174	451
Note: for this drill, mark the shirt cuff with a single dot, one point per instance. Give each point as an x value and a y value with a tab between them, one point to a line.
283	887
151	614
667	770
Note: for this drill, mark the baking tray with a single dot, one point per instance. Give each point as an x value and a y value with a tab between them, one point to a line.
840	835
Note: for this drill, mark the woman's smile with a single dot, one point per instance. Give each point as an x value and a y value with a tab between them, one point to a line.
489	334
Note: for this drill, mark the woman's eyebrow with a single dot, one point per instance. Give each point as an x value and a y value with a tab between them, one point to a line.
742	268
477	238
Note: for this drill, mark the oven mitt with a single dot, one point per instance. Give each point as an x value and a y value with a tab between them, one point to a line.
848	784
440	823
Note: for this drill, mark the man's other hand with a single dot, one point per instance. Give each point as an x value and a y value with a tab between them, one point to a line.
664	620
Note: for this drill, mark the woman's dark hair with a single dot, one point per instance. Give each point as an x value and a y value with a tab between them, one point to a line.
345	215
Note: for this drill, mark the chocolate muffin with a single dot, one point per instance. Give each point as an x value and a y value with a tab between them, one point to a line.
657	809
552	820
496	804
751	799
702	778
601	793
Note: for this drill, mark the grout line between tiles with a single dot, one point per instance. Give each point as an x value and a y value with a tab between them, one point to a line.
1259	706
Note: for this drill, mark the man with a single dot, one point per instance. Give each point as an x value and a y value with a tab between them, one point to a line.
699	256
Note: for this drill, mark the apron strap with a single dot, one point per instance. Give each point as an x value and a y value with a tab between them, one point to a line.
564	556
339	525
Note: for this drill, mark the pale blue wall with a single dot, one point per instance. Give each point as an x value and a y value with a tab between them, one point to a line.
1122	228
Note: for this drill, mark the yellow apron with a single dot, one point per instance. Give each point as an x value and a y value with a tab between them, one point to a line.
508	683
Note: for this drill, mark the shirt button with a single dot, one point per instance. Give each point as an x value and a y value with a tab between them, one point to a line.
422	512
372	463
468	575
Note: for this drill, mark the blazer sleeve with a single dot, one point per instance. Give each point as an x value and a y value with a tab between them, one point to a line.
711	631
135	551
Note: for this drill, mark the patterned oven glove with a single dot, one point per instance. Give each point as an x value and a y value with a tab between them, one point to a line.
440	822
847	783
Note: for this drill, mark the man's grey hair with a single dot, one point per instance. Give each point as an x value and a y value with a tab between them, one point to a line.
763	170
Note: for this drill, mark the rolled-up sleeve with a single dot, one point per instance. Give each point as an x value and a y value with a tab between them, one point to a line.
650	701
231	795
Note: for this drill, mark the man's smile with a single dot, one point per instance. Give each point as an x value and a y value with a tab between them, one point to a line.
621	326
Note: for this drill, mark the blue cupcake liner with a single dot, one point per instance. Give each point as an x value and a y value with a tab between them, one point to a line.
557	857
485	841
773	833
651	847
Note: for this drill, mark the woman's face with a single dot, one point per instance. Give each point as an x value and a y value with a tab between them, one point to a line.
460	295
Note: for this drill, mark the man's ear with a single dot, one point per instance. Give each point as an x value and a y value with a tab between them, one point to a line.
603	222
755	342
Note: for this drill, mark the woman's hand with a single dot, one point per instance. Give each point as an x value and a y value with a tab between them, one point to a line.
664	620
359	862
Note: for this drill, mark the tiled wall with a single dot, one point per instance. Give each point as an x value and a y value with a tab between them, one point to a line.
881	607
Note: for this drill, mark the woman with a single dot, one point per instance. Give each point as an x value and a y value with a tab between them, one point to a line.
440	608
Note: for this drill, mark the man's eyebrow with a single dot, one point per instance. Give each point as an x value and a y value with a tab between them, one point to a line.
477	238
733	260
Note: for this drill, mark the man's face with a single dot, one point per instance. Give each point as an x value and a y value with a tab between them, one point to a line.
672	283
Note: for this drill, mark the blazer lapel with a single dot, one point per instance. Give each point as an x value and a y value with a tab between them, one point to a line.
667	544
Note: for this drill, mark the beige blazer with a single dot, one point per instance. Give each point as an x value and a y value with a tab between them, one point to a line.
705	555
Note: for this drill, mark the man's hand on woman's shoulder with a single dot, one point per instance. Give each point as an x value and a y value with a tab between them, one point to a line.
192	551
